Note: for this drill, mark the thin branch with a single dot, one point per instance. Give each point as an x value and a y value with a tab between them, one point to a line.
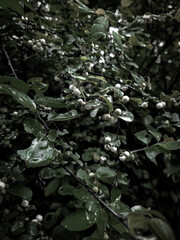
95	196
9	61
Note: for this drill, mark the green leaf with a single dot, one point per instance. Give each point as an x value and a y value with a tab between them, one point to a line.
82	194
105	174
102	21
65	190
33	126
51	102
97	31
15	82
126	116
51	187
143	136
50	220
110	106
134	42
40	153
126	3
155	134
83	175
120	207
137	221
162	229
78	221
157	214
120	228
20	97
173	145
101	222
47	173
21	191
63	116
12	4
117	38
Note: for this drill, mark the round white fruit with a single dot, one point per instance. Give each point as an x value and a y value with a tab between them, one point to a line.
91	174
118	86
72	87
106	237
2	185
39	218
113	149
95	189
81	101
113	119
160	105
42	41
118	111
144	105
76	92
25	203
122	157
125	99
106	117
107	139
56	78
126	154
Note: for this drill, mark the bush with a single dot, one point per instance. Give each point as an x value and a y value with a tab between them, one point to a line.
89	115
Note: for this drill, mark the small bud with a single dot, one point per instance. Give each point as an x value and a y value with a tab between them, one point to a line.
124	88
81	101
106	237
84	58
107	146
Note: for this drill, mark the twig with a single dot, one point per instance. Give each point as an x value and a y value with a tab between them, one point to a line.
9	61
95	196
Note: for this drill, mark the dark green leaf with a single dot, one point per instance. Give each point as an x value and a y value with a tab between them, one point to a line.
21	191
78	221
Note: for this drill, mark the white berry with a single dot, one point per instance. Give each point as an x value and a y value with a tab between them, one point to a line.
2	185
39	218
107	139
160	105
122	157
42	41
118	86
56	78
118	111
76	92
25	203
81	101
144	105
107	146
95	189
113	119
91	174
106	117
72	87
125	99
127	154
113	149
106	237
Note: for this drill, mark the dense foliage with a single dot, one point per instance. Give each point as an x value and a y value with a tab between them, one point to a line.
89	119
